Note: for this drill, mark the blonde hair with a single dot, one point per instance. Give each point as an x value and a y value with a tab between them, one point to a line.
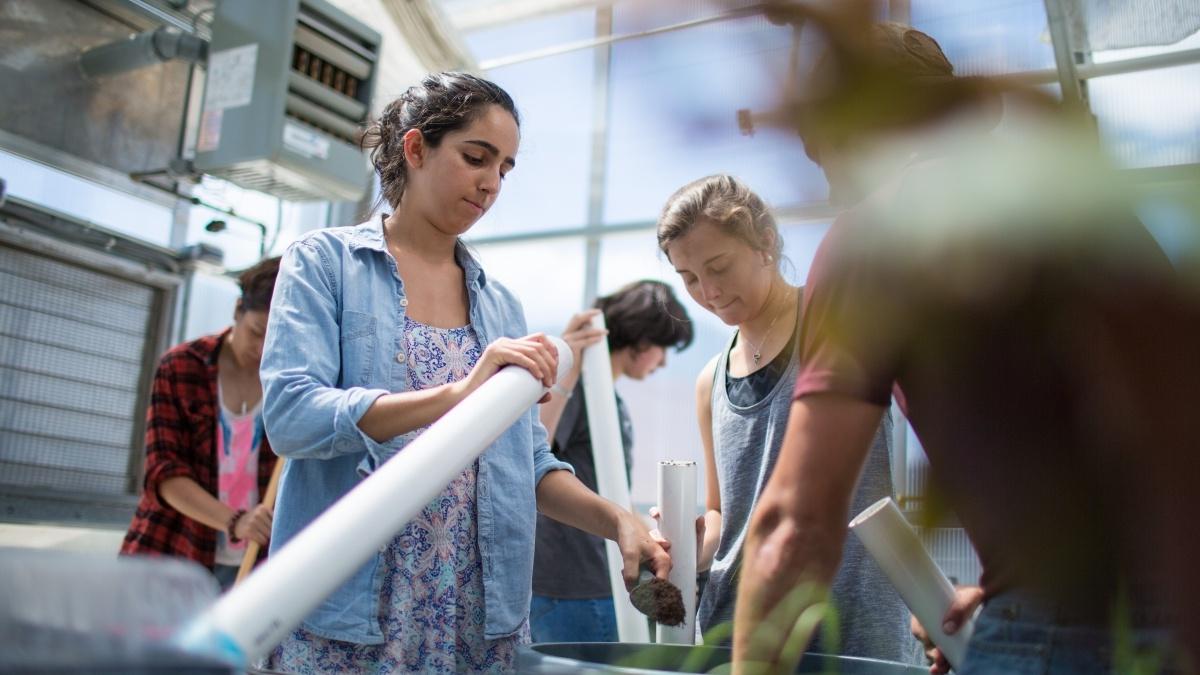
730	205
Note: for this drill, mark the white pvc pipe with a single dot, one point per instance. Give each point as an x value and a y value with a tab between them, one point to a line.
894	545
677	523
256	615
612	482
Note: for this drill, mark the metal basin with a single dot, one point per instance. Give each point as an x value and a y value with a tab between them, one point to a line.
648	659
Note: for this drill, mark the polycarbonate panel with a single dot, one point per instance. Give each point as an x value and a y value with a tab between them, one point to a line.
1150	118
546	276
548	189
987	37
674	112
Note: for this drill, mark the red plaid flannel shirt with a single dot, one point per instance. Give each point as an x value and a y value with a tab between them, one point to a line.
181	441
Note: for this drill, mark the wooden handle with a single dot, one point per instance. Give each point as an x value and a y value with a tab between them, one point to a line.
252	548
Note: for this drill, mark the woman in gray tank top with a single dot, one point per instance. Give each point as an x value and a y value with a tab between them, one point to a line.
724	243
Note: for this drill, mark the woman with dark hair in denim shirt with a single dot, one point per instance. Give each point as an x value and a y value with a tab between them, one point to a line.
377	330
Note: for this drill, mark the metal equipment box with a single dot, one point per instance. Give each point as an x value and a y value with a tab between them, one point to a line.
288	87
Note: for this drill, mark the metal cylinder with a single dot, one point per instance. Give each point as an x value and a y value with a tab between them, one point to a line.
140	50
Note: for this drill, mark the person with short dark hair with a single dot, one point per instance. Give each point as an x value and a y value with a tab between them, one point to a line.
572	595
207	455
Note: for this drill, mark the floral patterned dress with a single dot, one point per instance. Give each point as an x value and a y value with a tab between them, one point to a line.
432	608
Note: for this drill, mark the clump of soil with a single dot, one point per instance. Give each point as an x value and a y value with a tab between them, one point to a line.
658	599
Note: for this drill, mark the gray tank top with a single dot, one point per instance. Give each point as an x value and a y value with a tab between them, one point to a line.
746	442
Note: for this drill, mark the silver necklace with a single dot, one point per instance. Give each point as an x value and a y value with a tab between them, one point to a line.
757	356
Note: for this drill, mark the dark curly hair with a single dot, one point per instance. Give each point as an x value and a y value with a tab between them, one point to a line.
441	103
258	285
645	313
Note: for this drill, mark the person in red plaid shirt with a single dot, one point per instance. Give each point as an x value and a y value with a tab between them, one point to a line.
207	455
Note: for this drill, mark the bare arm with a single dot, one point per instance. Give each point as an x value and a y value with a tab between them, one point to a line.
562	497
187	497
712	501
394	414
578	335
798	528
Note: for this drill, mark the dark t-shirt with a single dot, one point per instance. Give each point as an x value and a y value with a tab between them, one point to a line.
1049	379
569	563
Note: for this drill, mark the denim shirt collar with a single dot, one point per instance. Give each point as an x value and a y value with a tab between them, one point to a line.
369	235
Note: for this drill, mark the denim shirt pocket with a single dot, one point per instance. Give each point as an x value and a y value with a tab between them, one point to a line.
359	345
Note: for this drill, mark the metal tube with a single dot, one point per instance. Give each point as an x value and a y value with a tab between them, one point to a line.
597	42
143	49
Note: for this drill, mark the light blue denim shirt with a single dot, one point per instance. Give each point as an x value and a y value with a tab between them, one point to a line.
334	345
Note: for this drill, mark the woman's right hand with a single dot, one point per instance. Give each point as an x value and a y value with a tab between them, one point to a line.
534	353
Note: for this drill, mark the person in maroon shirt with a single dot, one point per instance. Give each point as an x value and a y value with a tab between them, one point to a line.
1043	349
179	513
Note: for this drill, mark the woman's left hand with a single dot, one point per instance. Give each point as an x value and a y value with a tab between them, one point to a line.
638	544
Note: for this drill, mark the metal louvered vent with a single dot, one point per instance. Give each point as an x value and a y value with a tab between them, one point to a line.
288	88
79	331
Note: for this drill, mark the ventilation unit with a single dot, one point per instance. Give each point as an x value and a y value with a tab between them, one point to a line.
288	86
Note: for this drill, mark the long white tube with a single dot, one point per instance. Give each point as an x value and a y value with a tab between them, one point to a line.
257	614
894	545
612	482
677	506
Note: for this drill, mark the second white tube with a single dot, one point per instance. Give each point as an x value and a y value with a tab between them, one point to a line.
677	523
892	542
612	482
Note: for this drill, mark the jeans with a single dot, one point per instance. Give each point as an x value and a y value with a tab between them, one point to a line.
1015	634
580	620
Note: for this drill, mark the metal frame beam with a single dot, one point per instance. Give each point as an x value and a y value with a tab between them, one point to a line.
492	14
598	178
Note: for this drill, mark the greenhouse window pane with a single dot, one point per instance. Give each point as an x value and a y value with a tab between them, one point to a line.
673	115
986	37
549	187
546	276
518	37
86	200
1150	118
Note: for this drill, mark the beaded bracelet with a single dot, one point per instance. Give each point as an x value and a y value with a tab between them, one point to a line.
233	538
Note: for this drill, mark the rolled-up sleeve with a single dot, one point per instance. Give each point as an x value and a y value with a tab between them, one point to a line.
306	414
544	460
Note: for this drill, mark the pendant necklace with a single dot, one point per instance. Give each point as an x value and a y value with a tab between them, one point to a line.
757	356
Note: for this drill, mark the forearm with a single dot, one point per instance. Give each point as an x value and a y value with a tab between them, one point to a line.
712	539
394	414
562	497
789	562
187	497
551	411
